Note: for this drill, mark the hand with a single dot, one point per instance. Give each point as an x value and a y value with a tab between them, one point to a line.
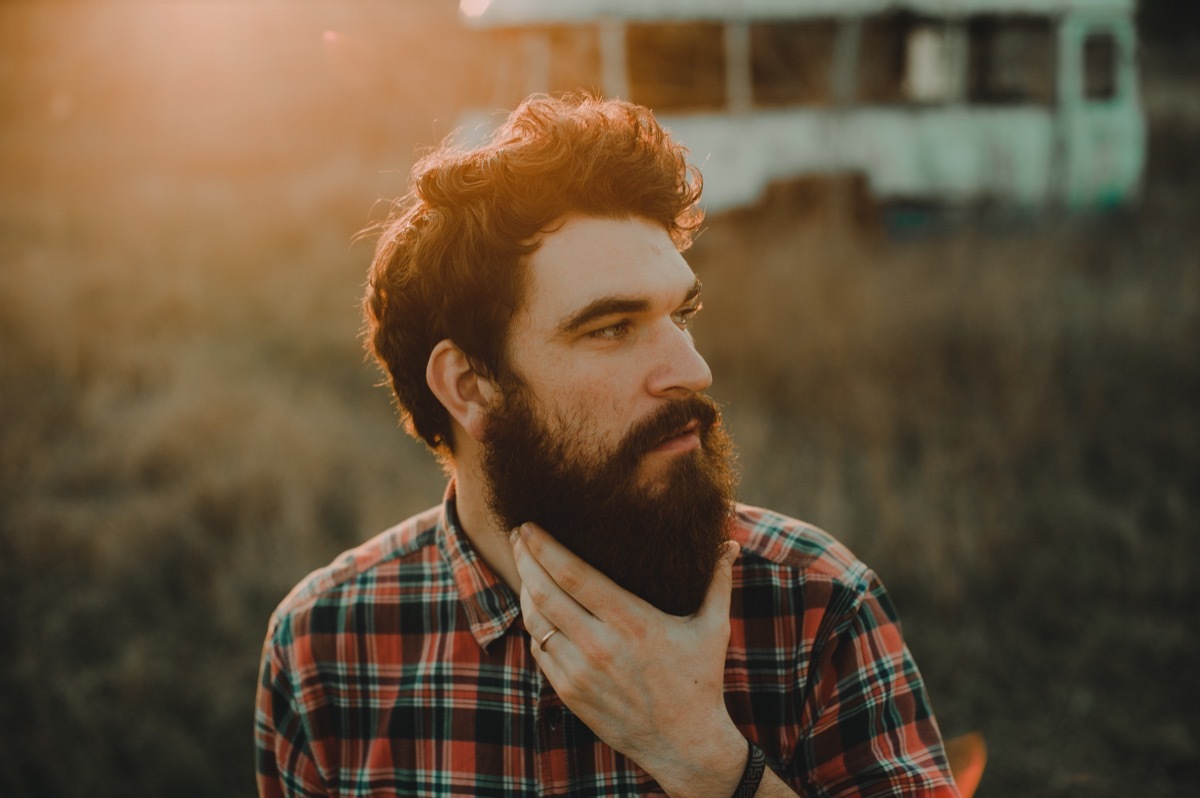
647	683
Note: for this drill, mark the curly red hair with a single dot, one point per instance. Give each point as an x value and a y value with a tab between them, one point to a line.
450	259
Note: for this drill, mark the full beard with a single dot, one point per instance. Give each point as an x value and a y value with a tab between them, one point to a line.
660	541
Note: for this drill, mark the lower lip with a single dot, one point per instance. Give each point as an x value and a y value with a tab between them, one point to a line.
680	443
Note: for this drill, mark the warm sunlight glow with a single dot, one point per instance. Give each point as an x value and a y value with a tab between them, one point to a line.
473	8
967	755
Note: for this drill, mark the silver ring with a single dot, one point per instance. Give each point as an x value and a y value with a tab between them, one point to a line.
545	637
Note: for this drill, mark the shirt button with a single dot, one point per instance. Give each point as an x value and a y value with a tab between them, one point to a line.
553	717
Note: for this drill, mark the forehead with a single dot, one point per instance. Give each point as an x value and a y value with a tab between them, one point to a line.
585	259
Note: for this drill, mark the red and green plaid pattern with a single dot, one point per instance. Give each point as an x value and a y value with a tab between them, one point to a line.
403	669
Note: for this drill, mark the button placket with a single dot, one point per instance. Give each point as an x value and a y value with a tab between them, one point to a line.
554	776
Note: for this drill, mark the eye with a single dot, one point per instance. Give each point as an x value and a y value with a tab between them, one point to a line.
613	332
684	316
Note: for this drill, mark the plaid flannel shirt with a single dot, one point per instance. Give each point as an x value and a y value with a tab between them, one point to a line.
402	669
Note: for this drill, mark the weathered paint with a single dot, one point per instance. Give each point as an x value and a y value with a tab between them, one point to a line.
1078	152
1102	141
521	13
952	153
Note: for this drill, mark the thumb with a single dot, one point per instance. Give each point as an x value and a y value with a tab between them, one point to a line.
716	601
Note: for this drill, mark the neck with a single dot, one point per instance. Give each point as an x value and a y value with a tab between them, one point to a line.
478	522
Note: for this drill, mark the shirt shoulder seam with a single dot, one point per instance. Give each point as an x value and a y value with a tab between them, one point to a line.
396	542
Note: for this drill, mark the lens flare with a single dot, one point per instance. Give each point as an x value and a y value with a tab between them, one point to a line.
473	8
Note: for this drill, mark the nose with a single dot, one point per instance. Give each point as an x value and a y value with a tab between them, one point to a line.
679	370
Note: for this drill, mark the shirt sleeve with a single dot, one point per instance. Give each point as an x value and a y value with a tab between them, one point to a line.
284	761
873	732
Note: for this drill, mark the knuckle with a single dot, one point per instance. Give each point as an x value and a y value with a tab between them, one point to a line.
538	594
632	626
597	655
572	579
568	691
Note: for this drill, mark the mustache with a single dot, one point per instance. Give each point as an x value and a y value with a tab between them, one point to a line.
666	422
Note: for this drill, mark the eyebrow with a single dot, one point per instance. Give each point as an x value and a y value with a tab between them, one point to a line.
613	305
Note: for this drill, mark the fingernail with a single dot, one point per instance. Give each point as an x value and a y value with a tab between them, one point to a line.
526	531
513	534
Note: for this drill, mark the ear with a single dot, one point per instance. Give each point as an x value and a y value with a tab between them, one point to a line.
465	394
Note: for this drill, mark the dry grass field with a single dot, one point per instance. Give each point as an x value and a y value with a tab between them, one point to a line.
999	416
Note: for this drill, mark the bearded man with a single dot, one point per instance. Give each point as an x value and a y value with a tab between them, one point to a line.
588	612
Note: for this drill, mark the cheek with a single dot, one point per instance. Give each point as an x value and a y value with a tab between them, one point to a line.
596	404
593	418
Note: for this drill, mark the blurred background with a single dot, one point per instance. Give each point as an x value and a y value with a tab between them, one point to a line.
994	406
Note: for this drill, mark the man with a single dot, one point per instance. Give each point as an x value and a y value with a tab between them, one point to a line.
588	612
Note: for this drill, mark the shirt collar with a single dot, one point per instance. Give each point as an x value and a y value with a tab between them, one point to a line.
490	604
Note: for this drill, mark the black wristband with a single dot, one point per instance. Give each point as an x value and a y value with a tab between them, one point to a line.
756	766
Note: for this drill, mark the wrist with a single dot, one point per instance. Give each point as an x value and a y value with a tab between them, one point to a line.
752	775
714	767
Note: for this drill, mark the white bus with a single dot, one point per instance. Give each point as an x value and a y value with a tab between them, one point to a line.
1028	103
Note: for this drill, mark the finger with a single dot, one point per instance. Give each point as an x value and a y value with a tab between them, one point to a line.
590	589
551	659
531	617
542	639
542	597
536	624
716	600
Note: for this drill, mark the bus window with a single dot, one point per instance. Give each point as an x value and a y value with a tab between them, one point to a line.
791	62
1100	67
881	58
1012	60
904	58
677	66
932	66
